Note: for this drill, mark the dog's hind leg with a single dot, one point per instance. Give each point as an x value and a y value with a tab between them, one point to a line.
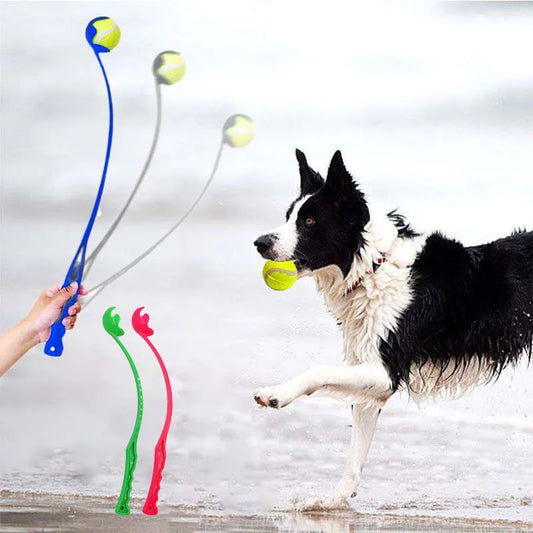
364	419
359	384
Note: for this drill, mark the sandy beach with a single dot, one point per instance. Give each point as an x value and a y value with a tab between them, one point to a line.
40	512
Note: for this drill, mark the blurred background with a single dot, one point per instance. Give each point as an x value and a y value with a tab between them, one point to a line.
432	106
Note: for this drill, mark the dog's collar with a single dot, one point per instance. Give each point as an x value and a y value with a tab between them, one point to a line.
375	265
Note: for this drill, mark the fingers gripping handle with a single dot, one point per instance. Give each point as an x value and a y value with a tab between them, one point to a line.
160	456
54	344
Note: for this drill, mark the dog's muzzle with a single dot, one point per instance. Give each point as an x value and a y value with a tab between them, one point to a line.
265	244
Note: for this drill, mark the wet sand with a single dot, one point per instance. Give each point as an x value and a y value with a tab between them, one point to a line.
31	512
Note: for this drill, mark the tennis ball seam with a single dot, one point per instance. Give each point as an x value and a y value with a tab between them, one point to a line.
101	35
271	271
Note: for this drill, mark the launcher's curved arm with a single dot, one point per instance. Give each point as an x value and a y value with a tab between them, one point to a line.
111	325
140	325
54	344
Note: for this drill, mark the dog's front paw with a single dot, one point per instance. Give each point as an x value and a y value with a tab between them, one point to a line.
333	501
275	397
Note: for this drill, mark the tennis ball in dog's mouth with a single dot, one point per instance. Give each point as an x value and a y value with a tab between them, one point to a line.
280	275
168	67
238	131
102	34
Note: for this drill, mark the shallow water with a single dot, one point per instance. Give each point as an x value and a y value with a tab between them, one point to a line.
64	422
20	513
441	131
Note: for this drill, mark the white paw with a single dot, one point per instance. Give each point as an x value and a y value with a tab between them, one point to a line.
276	397
332	501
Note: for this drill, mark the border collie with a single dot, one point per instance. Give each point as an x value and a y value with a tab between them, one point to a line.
424	314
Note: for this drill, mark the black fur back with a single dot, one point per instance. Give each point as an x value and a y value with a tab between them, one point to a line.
468	302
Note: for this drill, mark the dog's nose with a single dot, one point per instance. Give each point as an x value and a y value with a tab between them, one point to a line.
263	243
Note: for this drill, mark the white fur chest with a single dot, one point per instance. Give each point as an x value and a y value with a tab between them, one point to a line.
371	311
368	313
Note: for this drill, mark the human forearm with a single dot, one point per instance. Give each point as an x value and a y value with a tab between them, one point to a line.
35	328
14	343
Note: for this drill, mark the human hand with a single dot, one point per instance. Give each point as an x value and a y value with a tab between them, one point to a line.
47	309
35	328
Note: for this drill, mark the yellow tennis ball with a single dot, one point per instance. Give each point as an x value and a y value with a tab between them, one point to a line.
280	275
168	67
102	34
238	131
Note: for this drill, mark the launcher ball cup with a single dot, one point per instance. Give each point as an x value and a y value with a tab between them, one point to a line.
238	131
168	67
280	275
102	34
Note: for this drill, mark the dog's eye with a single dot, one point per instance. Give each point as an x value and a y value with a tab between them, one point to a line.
309	221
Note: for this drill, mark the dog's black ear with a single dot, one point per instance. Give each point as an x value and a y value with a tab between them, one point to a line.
310	181
339	179
341	186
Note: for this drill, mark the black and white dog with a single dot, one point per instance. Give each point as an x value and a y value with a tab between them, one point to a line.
425	314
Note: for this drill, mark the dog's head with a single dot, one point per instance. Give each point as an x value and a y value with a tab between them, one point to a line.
324	225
